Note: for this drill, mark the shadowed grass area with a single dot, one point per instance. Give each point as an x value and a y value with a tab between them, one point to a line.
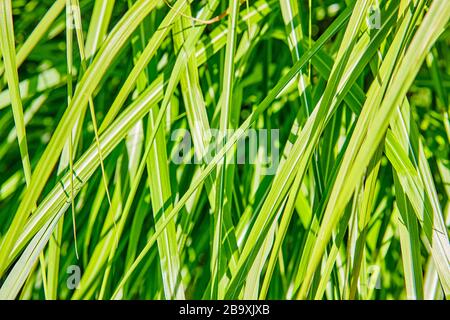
215	149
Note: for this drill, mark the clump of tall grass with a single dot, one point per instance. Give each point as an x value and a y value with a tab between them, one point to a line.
212	149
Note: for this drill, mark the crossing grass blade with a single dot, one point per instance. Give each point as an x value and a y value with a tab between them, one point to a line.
12	77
